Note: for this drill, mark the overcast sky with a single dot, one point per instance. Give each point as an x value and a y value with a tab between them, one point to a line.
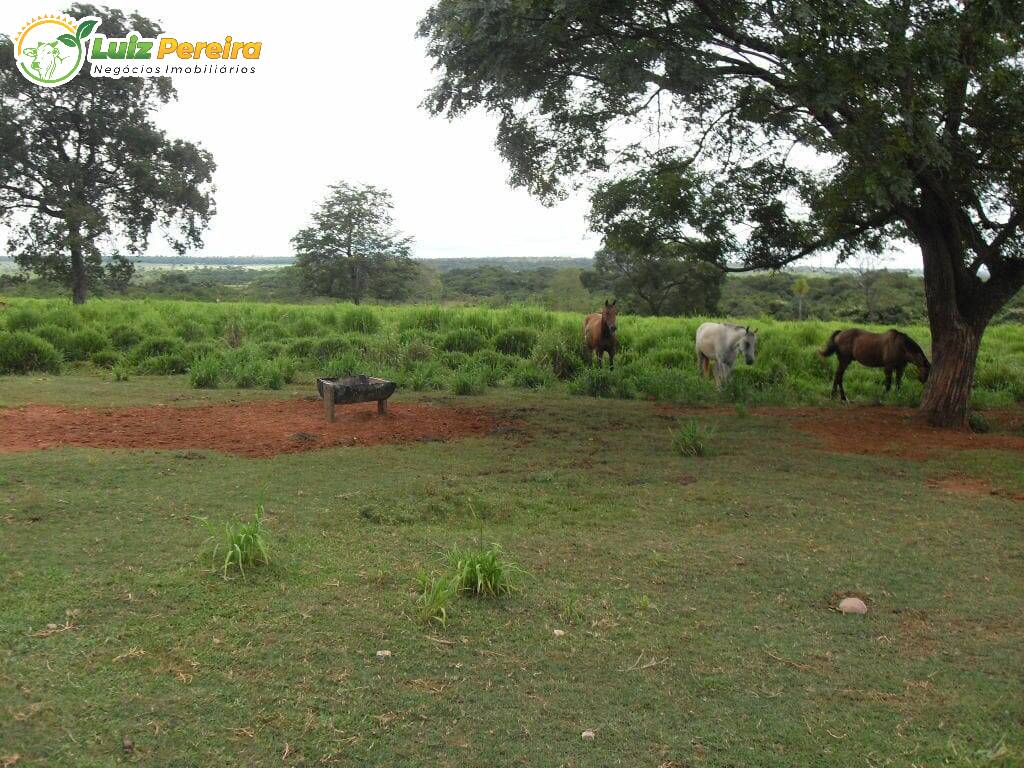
336	96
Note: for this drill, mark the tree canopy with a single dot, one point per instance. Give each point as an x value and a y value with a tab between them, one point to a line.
352	249
756	132
84	170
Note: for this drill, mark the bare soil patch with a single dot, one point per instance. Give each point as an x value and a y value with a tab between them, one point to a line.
961	485
891	431
256	429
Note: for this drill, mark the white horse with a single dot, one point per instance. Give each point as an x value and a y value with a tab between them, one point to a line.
718	345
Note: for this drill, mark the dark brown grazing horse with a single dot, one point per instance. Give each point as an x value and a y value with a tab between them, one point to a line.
599	334
891	350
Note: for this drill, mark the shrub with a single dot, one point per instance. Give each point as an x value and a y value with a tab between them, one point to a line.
329	347
191	330
361	319
105	358
515	341
560	353
978	423
23	318
156	346
418	351
268	331
125	336
596	382
21	352
482	572
692	439
240	544
205	373
83	343
346	365
167	364
434	597
463	340
672	358
57	335
121	371
529	375
64	315
427	376
468	381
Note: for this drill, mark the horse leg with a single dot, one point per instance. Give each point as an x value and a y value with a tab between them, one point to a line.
888	380
899	377
600	357
611	360
838	384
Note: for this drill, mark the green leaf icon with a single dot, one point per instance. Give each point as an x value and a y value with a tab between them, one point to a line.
68	40
85	28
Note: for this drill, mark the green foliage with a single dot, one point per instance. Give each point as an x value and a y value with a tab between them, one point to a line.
655	360
124	177
239	544
352	248
84	343
468	381
21	352
691	438
205	373
482	572
105	358
515	341
435	594
463	340
978	423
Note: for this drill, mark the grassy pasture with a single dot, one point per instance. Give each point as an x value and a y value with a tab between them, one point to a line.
462	350
695	606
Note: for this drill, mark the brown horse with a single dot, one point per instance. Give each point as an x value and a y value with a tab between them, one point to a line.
599	334
891	350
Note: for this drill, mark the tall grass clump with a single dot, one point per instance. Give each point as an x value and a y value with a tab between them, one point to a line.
515	341
21	352
205	373
691	438
482	572
434	595
239	544
466	340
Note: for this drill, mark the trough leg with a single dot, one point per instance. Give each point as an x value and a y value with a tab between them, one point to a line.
329	401
382	406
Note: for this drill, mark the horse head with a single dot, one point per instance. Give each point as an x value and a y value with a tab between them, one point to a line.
748	345
608	315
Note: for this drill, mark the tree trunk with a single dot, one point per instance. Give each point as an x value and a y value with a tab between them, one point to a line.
78	278
947	395
957	321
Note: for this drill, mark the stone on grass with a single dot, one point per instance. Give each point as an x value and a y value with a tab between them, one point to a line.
587	735
852	605
383	654
559	633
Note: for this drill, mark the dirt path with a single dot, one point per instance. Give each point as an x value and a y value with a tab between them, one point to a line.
257	429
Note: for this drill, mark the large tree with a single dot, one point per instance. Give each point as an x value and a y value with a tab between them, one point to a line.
771	129
352	249
84	169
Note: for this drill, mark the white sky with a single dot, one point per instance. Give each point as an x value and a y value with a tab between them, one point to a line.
336	96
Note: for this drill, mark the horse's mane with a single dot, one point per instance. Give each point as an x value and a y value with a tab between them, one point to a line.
912	345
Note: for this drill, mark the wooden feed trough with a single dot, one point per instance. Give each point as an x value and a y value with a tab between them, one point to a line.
354	389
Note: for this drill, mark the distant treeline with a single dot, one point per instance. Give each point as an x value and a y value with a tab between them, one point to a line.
879	296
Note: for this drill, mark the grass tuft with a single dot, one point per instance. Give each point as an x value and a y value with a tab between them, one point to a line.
240	543
482	572
692	438
435	595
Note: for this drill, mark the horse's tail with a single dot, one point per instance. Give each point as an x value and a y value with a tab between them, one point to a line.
830	347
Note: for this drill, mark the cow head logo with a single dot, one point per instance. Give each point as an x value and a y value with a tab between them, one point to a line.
51	49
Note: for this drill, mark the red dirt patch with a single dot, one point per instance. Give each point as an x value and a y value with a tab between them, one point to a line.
256	429
972	486
888	430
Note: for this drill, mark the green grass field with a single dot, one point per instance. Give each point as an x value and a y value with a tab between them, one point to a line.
695	594
461	350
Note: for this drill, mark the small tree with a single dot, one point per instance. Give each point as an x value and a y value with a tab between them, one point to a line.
800	289
84	163
352	249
